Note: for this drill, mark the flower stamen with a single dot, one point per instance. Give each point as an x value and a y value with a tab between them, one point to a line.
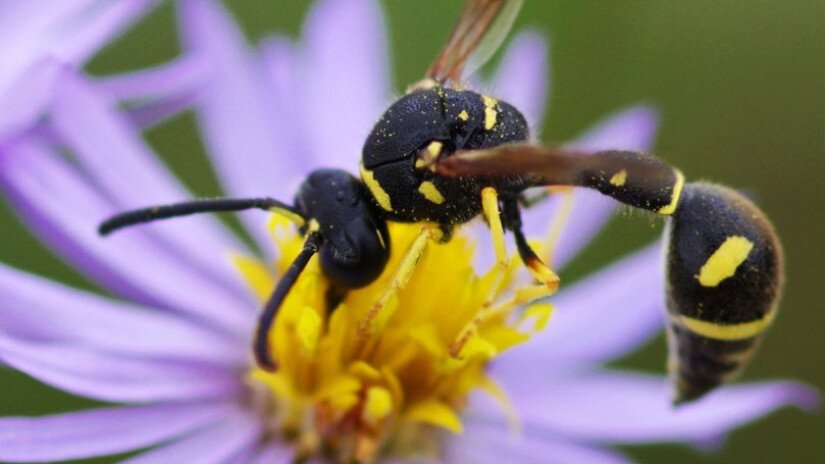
376	375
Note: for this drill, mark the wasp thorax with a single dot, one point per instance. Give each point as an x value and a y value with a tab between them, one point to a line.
419	129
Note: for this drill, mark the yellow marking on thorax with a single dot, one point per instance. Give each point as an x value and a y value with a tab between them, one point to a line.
675	196
463	115
375	188
728	332
619	178
724	261
429	156
490	113
431	192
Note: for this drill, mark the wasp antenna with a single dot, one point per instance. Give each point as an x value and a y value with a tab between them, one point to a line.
260	347
154	213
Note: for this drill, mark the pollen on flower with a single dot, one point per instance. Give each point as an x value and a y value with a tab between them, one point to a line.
341	393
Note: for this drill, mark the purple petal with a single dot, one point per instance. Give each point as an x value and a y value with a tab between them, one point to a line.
179	76
37	309
120	164
217	444
112	377
246	135
616	407
345	84
24	105
523	78
632	129
485	443
274	454
599	319
68	32
62	207
100	432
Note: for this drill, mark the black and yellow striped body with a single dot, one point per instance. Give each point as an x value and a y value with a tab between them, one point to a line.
724	279
432	124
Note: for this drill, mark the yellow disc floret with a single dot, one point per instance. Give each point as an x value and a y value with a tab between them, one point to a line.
342	393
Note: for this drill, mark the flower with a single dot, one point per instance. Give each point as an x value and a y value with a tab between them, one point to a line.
172	347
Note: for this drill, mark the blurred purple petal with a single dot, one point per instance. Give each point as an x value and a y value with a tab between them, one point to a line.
100	432
523	78
36	309
68	32
282	72
619	407
345	85
61	207
217	444
179	76
274	453
120	164
111	377
599	319
632	129
22	107
485	443
244	132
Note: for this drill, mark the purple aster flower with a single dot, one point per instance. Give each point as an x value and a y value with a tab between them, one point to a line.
171	348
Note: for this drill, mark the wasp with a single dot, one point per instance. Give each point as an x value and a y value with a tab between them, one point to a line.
443	154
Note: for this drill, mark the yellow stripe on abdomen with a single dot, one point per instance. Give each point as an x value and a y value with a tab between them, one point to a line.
727	332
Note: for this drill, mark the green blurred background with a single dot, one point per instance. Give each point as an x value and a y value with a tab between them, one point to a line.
741	89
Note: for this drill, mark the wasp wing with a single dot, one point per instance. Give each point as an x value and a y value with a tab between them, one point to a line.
535	164
633	178
479	32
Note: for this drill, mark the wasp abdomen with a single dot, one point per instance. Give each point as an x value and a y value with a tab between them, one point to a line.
724	275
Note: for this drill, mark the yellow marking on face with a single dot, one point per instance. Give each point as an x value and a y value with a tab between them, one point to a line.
724	261
463	115
619	178
431	192
728	332
490	113
375	188
292	216
677	193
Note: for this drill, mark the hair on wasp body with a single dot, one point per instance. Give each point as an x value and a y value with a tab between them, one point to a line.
443	154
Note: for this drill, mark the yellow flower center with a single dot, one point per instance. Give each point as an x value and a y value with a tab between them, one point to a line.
342	393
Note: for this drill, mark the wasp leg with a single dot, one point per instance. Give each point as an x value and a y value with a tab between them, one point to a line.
540	271
492	214
402	275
